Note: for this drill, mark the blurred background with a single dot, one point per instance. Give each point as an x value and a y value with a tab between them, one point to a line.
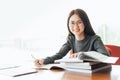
39	26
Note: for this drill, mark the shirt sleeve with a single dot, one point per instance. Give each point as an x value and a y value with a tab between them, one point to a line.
100	47
62	52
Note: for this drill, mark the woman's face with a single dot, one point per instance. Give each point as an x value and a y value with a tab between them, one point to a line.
76	25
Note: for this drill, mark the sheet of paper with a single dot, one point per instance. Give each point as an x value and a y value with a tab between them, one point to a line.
20	71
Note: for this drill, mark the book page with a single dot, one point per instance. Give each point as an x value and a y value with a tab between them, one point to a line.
68	60
111	59
83	63
51	66
100	57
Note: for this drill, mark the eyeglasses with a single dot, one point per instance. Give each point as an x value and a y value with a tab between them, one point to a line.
72	23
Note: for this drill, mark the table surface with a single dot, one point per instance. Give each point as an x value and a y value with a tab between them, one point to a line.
66	75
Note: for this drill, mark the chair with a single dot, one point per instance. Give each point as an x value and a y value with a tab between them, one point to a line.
114	51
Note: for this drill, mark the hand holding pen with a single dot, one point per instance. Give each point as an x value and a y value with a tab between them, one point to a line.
38	62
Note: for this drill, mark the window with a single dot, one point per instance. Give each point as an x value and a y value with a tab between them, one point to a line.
40	25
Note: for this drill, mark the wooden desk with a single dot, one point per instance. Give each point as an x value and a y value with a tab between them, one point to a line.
66	75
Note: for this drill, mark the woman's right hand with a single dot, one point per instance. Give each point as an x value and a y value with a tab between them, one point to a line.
38	62
72	55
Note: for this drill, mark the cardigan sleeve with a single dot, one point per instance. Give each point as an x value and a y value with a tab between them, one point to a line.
60	54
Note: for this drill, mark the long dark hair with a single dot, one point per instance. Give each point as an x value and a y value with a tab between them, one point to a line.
82	14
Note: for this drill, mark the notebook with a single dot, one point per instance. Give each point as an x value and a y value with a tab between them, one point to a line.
8	66
17	71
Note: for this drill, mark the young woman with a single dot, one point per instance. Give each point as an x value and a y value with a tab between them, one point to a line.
81	38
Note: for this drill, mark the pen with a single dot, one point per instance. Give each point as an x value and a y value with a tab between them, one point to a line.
33	56
25	73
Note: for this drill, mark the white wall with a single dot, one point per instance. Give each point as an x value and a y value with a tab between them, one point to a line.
40	25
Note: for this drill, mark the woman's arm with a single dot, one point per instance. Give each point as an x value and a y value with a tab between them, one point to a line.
62	52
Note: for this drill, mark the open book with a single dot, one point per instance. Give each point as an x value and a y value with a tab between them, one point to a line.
88	67
51	67
90	56
98	57
89	62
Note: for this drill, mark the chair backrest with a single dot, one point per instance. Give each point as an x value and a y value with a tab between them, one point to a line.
115	52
